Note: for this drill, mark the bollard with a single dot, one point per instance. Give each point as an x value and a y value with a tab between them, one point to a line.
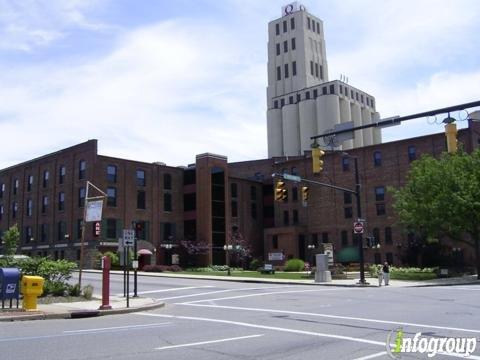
106	264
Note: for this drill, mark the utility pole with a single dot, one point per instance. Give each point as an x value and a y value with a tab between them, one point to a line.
359	216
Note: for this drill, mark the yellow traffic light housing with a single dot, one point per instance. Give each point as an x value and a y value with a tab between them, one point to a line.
305	193
451	134
281	193
317	161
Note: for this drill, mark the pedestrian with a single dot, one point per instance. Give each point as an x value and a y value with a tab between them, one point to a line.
380	275
386	272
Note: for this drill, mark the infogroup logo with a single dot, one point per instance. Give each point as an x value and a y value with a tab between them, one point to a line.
431	346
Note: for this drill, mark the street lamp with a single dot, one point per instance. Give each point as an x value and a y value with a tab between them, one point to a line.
227	248
311	247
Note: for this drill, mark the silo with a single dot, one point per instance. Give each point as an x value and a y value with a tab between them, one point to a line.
345	116
291	130
377	132
308	123
274	132
328	113
367	133
357	121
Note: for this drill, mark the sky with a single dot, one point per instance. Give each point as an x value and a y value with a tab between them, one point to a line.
157	80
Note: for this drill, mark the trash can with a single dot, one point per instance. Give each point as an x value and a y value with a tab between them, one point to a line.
32	288
9	285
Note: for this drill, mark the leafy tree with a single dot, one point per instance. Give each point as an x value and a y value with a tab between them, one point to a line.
11	238
442	198
242	249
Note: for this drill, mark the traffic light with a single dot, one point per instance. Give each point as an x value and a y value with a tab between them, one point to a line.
281	193
305	193
451	134
139	227
317	161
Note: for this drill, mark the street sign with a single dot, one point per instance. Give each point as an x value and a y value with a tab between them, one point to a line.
292	177
128	237
358	228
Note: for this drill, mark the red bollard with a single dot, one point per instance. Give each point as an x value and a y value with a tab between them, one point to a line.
105	284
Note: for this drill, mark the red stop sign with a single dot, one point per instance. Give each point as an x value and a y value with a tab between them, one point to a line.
358	228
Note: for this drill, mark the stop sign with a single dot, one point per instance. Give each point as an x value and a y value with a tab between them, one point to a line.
358	228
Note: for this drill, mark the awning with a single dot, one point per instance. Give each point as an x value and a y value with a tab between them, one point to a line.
348	254
144	252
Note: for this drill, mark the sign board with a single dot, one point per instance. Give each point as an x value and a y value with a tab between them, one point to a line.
276	256
128	237
292	177
94	210
175	259
292	7
358	228
135	264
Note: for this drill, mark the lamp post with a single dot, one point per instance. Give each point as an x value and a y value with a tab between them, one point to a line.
359	216
311	247
227	248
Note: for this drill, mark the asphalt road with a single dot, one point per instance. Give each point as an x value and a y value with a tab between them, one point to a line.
206	319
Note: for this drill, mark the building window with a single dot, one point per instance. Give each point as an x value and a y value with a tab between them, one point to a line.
324	90
81	197
30	183
46	176
286	71
294	194
29	207
379	193
277	29
112	196
345	164
14	209
376	235
308	23
315	239
61	230
112	173
347	198
321	72
278	48
324	237
167	182
275	242
412	153
290	99
348	213
140	180
82	168
316	70
313	25
389	258
111	228
61	201
380	209
275	104
285	46
61	174
307	95
295	217
279	73
234	208
293	44
282	102
28	234
233	190
15	186
388	236
253	193
299	97
292	23
344	236
1	214
377	158
2	190
332	89
286	219
315	93
294	68
311	67
253	210
167	202
141	199
285	26
44	233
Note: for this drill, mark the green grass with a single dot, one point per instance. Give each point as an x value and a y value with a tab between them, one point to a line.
251	274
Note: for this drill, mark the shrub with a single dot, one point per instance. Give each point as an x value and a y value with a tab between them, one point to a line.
295	265
88	292
74	290
255	264
55	288
162	268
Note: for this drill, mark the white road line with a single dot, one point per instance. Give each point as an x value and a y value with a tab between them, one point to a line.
333	317
222	291
170	289
372	356
117	328
208	342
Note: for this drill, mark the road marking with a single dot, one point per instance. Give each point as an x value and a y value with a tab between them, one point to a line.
208	342
222	291
332	317
170	289
262	294
117	328
372	356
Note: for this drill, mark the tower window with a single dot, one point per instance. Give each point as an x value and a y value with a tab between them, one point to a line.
293	44
278	49
307	95
277	29
279	73
275	104
290	99
316	70
285	26
292	23
294	68
285	46
332	89
282	102
313	25
308	23
286	71
311	67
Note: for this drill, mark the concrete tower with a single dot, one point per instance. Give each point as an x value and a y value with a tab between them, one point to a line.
301	101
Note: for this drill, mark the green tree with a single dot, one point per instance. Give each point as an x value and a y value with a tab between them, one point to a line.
442	198
11	238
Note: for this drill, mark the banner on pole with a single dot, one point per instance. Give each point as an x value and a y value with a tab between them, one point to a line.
94	210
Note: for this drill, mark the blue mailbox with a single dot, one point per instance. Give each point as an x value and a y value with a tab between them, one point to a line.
9	285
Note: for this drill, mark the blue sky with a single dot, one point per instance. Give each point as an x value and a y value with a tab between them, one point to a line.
157	80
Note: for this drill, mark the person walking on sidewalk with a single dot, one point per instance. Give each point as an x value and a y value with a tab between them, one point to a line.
380	275
386	273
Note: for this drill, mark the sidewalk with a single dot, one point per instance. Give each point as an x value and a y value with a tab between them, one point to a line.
71	310
91	308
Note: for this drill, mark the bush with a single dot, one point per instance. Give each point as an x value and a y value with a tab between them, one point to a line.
255	264
55	288
162	268
74	290
295	265
406	273
88	292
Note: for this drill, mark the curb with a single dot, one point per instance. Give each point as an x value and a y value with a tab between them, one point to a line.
77	314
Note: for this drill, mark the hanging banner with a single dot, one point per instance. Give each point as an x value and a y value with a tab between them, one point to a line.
94	210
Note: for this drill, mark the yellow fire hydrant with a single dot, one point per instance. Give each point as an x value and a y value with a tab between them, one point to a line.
32	288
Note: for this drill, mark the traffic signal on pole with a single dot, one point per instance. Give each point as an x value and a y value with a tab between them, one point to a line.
138	227
451	134
281	193
305	193
317	161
